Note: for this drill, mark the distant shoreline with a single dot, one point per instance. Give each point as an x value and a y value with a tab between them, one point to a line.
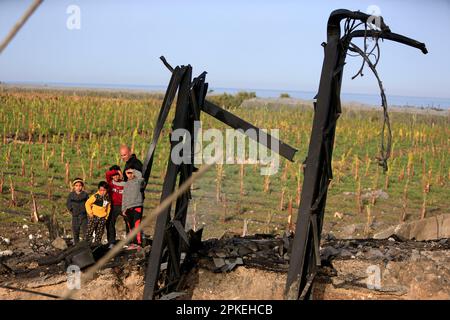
258	101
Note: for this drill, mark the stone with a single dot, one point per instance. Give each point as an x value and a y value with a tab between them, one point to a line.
59	243
219	262
349	231
252	246
329	252
345	254
377	194
337	282
6	253
385	234
221	254
330	237
373	254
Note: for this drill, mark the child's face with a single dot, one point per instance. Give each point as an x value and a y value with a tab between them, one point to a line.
78	187
130	174
102	191
116	178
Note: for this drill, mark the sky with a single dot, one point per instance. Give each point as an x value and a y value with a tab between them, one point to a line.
241	44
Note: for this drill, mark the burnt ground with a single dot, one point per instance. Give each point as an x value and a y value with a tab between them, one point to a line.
235	267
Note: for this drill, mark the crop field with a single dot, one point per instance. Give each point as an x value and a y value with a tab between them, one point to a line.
49	137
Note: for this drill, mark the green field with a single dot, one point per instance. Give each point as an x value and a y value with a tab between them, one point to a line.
45	133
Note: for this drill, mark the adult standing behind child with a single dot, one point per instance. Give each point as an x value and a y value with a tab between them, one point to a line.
76	205
116	185
133	202
98	207
131	161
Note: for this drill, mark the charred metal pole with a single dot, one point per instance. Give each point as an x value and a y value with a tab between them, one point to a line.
305	256
170	238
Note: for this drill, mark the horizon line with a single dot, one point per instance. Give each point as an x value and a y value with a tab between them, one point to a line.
125	85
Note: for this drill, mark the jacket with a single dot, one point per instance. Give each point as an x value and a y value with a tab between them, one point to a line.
115	188
132	194
98	206
76	203
132	163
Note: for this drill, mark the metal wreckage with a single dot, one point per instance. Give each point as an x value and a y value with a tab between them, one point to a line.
171	241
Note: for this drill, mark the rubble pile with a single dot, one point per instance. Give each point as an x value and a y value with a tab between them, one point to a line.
262	251
235	267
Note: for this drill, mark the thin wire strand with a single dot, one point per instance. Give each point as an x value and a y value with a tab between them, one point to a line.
19	24
385	149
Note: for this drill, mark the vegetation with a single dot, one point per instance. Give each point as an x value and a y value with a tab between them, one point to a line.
230	101
47	138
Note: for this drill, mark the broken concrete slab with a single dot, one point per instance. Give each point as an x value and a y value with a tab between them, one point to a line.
433	228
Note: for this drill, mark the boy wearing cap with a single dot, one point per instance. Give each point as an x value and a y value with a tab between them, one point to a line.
76	205
116	185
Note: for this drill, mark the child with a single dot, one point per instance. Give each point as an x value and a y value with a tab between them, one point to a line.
98	207
116	185
133	202
76	205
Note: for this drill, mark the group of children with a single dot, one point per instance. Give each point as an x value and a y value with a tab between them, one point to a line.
117	196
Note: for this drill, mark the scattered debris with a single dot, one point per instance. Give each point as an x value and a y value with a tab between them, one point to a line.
338	215
172	295
6	253
4	240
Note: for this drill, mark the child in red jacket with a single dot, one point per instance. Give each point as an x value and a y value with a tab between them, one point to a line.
116	185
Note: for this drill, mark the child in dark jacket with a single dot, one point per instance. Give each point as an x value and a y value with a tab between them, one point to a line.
133	202
116	185
76	205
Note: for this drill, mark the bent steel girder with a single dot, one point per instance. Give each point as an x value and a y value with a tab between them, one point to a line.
170	238
305	257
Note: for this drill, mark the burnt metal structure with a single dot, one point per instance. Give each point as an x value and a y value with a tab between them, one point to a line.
305	257
165	265
170	239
